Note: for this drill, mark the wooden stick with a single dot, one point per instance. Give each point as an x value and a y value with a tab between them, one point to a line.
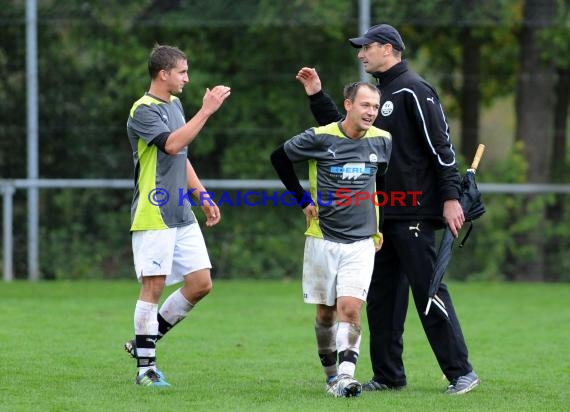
478	156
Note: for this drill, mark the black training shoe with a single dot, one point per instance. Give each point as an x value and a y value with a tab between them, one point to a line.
373	385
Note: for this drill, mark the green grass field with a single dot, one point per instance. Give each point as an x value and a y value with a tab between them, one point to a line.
249	346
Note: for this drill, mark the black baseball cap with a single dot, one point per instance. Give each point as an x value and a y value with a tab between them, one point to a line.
381	33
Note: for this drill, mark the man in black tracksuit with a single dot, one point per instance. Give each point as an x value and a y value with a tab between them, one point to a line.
423	161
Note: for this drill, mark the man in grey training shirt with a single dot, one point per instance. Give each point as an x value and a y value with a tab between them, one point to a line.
168	246
342	216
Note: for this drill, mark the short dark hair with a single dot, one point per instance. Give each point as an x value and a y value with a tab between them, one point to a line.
163	57
351	89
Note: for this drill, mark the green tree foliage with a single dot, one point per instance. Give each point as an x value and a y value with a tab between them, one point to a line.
494	250
92	67
92	60
12	92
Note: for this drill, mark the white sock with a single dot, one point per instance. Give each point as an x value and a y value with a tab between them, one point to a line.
348	338
173	310
146	324
326	346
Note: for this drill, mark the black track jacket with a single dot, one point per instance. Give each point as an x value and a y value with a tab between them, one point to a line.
422	158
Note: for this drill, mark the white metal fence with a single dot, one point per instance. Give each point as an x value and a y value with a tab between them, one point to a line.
9	187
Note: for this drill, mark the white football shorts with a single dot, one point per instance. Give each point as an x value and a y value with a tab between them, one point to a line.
174	252
332	269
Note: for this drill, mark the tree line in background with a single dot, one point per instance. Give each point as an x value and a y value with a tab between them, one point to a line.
92	67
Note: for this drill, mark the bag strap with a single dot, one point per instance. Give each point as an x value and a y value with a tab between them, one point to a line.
466	234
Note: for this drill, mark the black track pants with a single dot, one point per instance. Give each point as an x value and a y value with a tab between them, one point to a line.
407	258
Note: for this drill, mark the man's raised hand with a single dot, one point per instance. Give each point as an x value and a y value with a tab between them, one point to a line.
214	98
310	80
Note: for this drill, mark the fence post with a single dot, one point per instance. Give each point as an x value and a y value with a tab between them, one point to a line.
7	212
